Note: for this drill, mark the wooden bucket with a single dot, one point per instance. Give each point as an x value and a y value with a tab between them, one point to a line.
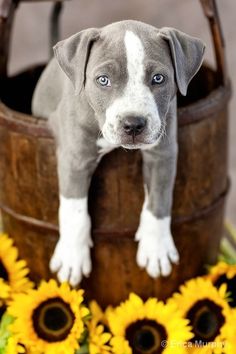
29	187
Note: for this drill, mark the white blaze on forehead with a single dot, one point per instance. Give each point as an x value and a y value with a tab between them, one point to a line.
135	58
137	99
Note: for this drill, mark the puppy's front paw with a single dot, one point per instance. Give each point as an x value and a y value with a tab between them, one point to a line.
71	259
71	262
156	249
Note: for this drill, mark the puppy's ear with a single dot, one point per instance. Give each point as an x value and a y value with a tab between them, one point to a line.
187	55
72	55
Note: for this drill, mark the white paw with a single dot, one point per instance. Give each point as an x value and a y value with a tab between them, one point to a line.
156	249
71	262
71	259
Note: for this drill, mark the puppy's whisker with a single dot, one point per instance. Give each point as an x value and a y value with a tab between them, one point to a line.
100	134
163	134
126	150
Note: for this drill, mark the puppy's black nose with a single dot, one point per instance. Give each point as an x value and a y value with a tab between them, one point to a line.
134	125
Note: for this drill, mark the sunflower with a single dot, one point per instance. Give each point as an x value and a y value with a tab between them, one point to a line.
98	337
12	271
147	327
209	314
50	319
224	273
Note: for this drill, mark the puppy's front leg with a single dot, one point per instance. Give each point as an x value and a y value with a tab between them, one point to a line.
156	249
71	259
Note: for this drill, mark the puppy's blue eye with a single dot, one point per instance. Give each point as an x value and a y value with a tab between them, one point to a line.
103	80
158	79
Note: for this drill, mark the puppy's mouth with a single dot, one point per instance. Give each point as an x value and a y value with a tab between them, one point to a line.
137	142
137	145
133	141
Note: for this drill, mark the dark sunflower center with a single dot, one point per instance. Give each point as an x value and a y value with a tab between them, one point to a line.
145	336
3	272
231	287
53	320
206	318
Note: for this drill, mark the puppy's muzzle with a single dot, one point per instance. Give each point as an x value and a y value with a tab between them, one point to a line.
134	125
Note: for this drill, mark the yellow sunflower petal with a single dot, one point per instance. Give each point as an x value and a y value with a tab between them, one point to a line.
223	273
13	347
222	268
97	313
120	346
98	338
4	290
12	271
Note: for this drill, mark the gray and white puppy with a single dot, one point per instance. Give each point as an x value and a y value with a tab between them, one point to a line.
110	87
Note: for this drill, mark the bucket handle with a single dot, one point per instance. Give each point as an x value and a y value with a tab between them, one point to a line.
7	9
7	12
211	12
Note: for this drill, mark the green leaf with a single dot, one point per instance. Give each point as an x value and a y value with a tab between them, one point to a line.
84	349
229	228
87	317
84	337
4	331
227	252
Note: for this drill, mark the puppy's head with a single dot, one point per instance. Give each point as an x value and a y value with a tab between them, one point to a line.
129	72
